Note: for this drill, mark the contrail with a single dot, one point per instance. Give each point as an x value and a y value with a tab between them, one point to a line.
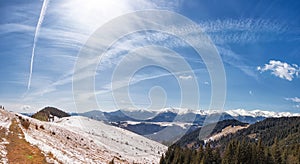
37	29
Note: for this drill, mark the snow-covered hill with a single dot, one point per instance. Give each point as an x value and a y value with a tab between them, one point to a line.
79	139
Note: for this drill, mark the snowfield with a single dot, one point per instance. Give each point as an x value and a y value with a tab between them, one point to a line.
79	139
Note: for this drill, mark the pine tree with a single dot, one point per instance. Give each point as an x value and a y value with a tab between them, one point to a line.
298	153
187	156
169	155
162	159
229	153
208	155
276	152
284	156
194	159
269	158
217	156
237	153
260	153
245	152
253	152
177	155
199	155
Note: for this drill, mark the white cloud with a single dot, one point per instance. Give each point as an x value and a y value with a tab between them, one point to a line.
206	83
26	107
281	69
185	77
250	93
294	99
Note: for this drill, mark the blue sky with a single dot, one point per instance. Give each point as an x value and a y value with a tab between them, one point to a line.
258	41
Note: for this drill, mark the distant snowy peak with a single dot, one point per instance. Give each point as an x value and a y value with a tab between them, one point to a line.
179	111
134	110
182	111
234	112
260	113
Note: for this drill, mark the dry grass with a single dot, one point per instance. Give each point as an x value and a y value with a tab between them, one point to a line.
25	123
19	150
2	133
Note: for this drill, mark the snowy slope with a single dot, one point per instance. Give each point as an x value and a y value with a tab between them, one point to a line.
79	139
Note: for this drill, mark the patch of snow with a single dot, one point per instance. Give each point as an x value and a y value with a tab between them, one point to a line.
3	151
5	120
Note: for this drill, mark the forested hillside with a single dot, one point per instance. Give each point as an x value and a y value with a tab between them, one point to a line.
46	113
273	141
193	137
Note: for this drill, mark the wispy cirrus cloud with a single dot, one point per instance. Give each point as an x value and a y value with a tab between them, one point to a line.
280	69
226	31
236	60
246	24
185	77
74	39
294	99
244	30
15	27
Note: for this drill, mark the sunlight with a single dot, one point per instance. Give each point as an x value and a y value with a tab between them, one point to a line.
89	15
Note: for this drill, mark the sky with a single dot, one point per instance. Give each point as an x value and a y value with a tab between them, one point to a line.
258	43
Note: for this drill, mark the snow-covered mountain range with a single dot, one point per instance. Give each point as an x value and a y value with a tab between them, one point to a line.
169	124
260	113
183	115
234	112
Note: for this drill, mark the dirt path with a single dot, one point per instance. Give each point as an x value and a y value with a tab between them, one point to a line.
19	150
